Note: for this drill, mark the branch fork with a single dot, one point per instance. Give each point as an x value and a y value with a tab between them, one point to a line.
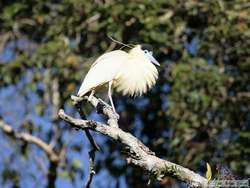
137	153
101	107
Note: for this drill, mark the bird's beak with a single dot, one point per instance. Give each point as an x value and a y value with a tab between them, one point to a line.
152	59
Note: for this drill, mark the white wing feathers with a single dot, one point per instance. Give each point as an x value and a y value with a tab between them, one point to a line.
104	69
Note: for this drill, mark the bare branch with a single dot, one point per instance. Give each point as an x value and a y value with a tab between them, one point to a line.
95	147
77	103
52	174
101	107
30	139
54	158
91	168
55	97
138	154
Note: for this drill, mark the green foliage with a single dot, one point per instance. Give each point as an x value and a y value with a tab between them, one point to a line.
197	89
10	175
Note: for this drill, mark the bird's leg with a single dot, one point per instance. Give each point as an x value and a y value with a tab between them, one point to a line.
110	96
91	95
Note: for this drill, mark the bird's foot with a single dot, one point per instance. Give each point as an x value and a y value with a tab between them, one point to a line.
90	97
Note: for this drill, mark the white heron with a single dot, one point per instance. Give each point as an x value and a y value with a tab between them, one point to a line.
132	73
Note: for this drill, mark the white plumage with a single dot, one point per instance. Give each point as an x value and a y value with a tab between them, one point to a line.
130	73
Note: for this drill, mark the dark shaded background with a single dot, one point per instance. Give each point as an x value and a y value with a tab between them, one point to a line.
198	112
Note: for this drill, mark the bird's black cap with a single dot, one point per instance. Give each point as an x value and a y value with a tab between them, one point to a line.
147	47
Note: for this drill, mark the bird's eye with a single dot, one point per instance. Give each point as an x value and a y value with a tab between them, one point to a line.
148	52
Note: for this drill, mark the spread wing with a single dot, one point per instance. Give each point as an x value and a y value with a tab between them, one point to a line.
104	69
